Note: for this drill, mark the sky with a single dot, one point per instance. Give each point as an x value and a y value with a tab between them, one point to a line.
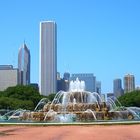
93	36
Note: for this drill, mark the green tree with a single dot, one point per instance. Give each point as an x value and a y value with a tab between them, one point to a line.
51	96
130	99
25	97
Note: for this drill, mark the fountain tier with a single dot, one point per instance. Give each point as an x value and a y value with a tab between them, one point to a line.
80	106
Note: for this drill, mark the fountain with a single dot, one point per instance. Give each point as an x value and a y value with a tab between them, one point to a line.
77	105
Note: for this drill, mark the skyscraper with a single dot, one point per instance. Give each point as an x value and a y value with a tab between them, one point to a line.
117	87
129	83
48	57
24	65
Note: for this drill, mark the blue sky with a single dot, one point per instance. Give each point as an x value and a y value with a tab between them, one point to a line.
94	36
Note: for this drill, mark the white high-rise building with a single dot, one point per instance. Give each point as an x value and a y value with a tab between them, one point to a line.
48	58
129	83
8	77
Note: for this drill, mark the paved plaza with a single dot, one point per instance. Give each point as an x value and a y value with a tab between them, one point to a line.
94	132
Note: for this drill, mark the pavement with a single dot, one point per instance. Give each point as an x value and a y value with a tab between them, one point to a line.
83	132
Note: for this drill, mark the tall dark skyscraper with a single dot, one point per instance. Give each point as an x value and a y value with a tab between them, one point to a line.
117	87
48	58
24	65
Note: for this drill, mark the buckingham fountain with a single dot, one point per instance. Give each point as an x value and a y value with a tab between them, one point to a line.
76	105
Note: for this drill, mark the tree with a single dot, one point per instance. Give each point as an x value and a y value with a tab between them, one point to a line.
25	97
130	99
51	96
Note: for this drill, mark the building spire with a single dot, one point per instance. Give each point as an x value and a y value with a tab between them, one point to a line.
24	65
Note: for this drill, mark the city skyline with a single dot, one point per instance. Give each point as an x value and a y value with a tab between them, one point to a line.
102	39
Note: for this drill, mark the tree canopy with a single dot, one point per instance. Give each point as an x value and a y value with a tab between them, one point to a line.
25	97
130	99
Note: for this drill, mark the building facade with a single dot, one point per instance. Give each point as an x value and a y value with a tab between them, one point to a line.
58	76
117	88
8	77
89	78
66	76
48	58
110	95
129	83
63	83
24	65
98	87
66	79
